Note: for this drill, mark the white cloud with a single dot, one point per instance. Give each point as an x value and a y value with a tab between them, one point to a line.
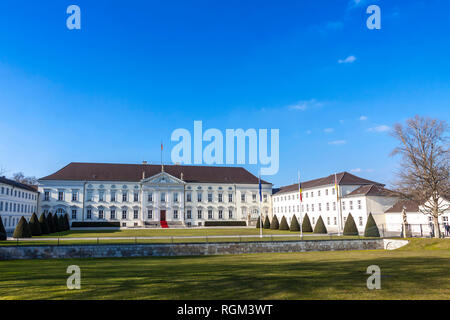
382	128
337	142
306	104
328	130
349	59
363	118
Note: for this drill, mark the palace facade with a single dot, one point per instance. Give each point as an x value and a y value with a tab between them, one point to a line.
138	195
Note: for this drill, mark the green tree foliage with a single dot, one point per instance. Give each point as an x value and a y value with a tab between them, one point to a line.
66	217
283	224
258	223
3	235
22	229
51	226
56	222
371	228
320	226
294	224
274	224
266	223
44	224
62	223
350	228
306	224
35	226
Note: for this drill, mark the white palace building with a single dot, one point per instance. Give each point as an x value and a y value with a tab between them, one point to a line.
138	195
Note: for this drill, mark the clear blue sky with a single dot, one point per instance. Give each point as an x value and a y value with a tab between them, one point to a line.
137	70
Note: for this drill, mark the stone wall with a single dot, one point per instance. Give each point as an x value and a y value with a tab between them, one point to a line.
183	249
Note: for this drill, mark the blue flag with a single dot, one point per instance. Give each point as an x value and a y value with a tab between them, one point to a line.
260	190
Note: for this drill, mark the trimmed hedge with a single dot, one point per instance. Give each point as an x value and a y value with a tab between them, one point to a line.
306	224
3	235
266	224
44	224
294	224
350	228
22	229
51	226
62	223
225	223
283	224
320	226
35	226
66	218
274	224
99	224
371	229
56	223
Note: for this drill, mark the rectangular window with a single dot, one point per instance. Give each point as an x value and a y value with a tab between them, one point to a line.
220	197
210	196
136	214
265	197
328	206
1	205
328	220
326	192
113	214
220	214
360	221
175	214
150	197
101	196
100	214
136	197
74	214
333	191
230	214
210	214
189	214
312	194
199	197
230	197
242	197
60	195
124	214
351	205
312	207
175	197
89	214
163	197
124	196
320	207
74	195
318	193
254	197
334	206
343	205
188	197
150	214
113	196
335	221
359	204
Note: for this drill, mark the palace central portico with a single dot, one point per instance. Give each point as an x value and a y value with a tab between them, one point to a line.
139	195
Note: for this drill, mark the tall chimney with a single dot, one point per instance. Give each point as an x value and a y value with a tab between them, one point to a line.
143	175
181	176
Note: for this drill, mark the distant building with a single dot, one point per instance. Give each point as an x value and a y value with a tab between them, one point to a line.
16	200
139	195
357	196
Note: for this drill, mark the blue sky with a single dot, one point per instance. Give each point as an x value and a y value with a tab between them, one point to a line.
137	70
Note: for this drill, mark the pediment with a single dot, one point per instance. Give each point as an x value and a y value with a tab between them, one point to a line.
162	178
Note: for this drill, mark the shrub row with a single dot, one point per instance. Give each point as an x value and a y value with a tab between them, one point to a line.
225	223
43	225
96	224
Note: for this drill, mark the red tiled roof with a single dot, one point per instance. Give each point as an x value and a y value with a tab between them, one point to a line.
343	178
372	190
133	172
410	206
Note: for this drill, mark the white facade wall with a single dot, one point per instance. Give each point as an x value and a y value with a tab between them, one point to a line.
146	202
14	203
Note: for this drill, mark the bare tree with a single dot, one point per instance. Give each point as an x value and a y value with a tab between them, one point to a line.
424	174
2	171
20	177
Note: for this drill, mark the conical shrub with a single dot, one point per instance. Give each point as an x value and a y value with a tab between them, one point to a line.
274	224
3	235
56	222
283	224
306	224
62	223
35	226
22	229
66	216
44	224
371	229
266	223
350	228
294	224
320	226
258	223
51	226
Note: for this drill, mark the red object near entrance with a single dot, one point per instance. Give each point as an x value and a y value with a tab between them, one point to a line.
164	224
162	219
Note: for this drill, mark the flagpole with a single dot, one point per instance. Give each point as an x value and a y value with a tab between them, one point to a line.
338	203
301	211
260	212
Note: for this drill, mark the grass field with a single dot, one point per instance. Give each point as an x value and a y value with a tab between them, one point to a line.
416	271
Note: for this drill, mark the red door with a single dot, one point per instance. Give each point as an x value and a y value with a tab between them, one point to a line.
163	215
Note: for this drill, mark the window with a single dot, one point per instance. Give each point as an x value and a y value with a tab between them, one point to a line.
89	195
333	191
230	197
150	197
113	196
189	214
89	214
199	214
230	214
312	194
3	190
343	205
314	220
220	197
328	206
124	214
1	205
220	214
199	196
60	195
210	214
100	214
351	205
124	196
242	197
113	214
254	197
175	197
210	197
312	207
136	197
359	204
101	196
175	214
326	192
74	195
150	214
318	193
136	214
335	221
320	207
328	220
163	197
188	198
334	206
265	197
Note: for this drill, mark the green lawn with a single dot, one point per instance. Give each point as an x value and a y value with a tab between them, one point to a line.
417	271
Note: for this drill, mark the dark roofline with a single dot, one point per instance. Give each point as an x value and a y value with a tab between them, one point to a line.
19	185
